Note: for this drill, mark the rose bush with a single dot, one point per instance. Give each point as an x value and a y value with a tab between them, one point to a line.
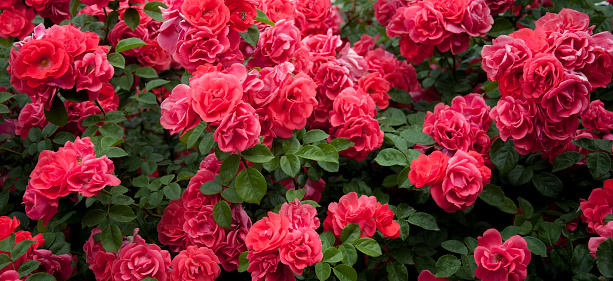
306	140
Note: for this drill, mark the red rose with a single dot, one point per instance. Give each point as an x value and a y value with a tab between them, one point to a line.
473	107
498	261
351	209
597	117
214	95
48	175
170	228
428	169
452	10
10	275
504	55
43	61
199	45
91	175
16	21
499	6
60	266
385	224
138	260
212	14
535	39
598	205
278	10
385	10
426	275
8	226
541	73
200	227
75	41
102	265
239	130
177	114
415	52
268	233
93	70
377	87
294	103
242	14
514	117
300	249
569	98
511	83
195	263
364	132
448	128
152	55
32	115
349	104
38	206
277	44
599	71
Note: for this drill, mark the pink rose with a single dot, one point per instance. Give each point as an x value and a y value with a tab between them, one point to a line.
453	11
300	249
138	260
569	98
456	42
364	132
91	175
214	95
177	114
277	44
415	52
239	130
326	45
43	61
426	275
58	266
599	71
81	146
499	7
75	41
356	64
266	266
195	263
38	206
535	39
268	233
91	247
314	10
170	228
100	3
48	175
332	78
8	226
10	275
384	218
200	227
605	232
514	117
428	169
498	261
573	49
16	21
473	107
153	55
421	22
597	118
212	14
376	87
565	20
385	10
351	209
233	246
293	104
102	265
503	56
351	103
278	10
199	45
366	43
300	216
598	205
93	70
464	180
448	128
32	115
477	20
242	14
541	73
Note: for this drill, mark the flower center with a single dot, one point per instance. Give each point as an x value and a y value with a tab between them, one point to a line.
44	62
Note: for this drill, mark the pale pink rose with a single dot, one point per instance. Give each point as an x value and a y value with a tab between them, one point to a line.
356	64
195	264
300	249
239	130
177	114
351	209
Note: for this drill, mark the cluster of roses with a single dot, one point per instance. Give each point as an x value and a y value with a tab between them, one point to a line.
73	168
595	210
423	25
137	260
289	238
61	57
364	211
461	126
60	266
16	18
545	77
189	222
455	182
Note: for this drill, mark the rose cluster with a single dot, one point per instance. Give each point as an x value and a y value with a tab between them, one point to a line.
455	182
189	221
16	18
595	209
73	168
60	266
364	211
288	237
425	24
545	77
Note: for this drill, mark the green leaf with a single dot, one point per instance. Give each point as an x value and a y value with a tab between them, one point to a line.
210	188
229	168
582	261
502	26
251	185
114	152
4	260
116	60
243	262
290	164
111	238
350	255
290	145
172	191
252	35
93	218
400	96
566	160
526	207
315	135
396	271
311	152
155	83
222	214
4	96
492	195
604	258
132	18
195	135
261	17
368	246
112	130
520	175
341	143
74	7
146	72
332	255
447	265
57	113
503	155
345	273
21	248
598	163
455	246
206	143
231	195
27	267
350	233
258	154
415	135
74	95
293	194
121	213
587	143
549	232
585	277
391	157
7	244
322	270
114	117
152	9
327	237
547	184
424	220
129	44
41	276
145	97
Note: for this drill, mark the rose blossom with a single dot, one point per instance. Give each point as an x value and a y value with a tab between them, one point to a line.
266	266
170	228
268	233
453	10
448	128
213	14
177	114
426	275
464	180
384	220
93	70
605	232
499	6
8	226
364	132
474	108
535	39
239	130
598	205
199	45
60	266
573	49
43	61
514	117
428	169
233	246
351	209
214	95
277	44
377	87
570	97
565	20
351	103
498	261
48	175
10	275
504	55
242	14
30	116
153	55
138	260
599	71
415	52
294	103
332	78
102	265
91	175
16	21
597	118
195	263
300	249
541	73
477	19
200	227
38	206
421	22
300	216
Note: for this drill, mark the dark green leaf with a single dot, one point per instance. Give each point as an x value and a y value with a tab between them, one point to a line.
549	232
251	185
290	164
350	255
116	60
598	163
345	273
391	157
315	135
396	271
455	246
121	213
526	207
231	195
350	233
206	143
341	143
195	135
57	113
129	44
582	261
172	191
322	270
211	187
368	246
152	9
155	83
547	184
293	194
503	155
565	160
332	255
41	276
93	218
252	35
146	72
111	238
114	152
311	152
424	220
27	267
447	265
492	195
400	96
520	175
73	95
229	168
4	260
132	18
258	154
604	258
502	26
21	248
222	214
